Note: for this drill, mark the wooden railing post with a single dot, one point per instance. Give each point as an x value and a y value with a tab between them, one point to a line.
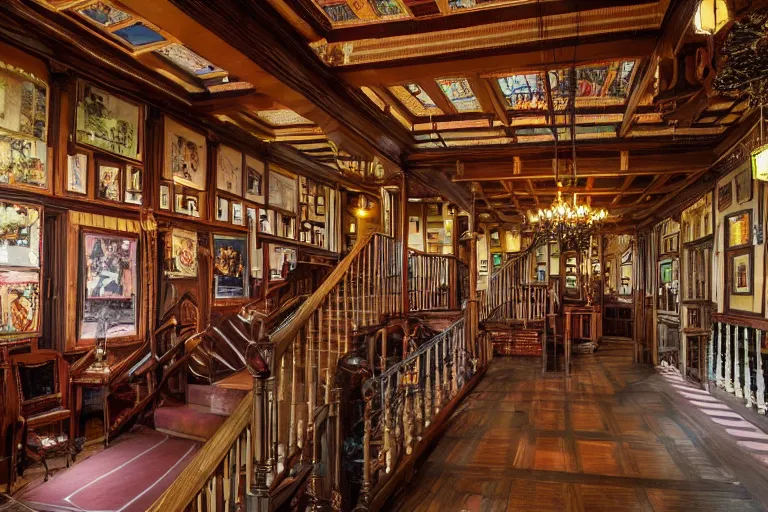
404	241
259	496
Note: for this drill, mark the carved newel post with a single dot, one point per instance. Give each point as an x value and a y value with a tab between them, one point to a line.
257	360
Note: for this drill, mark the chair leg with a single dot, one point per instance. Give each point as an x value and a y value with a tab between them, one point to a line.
45	465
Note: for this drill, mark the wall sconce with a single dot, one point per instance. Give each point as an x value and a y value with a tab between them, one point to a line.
363	208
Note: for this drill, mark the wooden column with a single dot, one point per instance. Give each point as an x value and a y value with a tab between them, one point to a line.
405	306
472	299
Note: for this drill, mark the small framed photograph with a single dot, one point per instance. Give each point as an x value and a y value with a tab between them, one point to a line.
222	210
738	229
165	197
133	184
109	183
320	204
77	173
192	206
237	214
740	267
181	204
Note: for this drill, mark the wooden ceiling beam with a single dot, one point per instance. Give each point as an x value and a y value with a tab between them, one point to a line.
488	99
555	54
676	23
627	183
434	92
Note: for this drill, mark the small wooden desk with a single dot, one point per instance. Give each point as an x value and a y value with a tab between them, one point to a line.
575	328
89	379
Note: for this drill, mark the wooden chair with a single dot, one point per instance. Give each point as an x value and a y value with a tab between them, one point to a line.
42	389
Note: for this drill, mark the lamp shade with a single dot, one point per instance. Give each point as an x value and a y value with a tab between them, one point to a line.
760	163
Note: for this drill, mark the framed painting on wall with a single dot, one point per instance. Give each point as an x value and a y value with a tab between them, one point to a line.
230	271
744	186
133	185
724	196
20	301
108	304
108	123
254	190
282	191
740	271
183	260
222	209
185	155
165	197
109	183
738	229
77	173
237	214
23	128
229	170
20	235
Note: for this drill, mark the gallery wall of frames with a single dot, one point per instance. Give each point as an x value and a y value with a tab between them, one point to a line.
86	168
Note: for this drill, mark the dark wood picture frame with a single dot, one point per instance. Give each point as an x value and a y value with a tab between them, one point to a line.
749	274
725	196
727	228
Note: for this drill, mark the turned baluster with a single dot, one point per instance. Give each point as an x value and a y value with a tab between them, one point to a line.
728	360
747	375
437	394
428	388
720	356
736	364
711	352
365	491
759	377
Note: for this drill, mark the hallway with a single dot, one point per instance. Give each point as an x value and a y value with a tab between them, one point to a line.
616	436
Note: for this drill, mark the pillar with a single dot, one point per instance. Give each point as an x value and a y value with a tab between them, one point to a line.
760	398
404	305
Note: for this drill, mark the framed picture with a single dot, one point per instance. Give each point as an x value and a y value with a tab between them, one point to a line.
109	285
282	191
413	225
222	209
181	204
496	258
108	123
229	170
185	155
165	197
254	190
738	229
724	196
265	222
20	235
24	104
183	260
320	204
740	271
432	210
665	271
109	183
77	173
230	271
237	214
133	184
20	300
495	238
192	206
433	237
744	186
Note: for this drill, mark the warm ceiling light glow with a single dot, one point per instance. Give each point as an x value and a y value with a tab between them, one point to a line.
760	163
711	16
571	224
362	213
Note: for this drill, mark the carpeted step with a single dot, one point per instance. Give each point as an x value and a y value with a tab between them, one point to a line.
188	421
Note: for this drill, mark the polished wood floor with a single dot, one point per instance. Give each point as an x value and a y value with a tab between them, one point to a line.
611	437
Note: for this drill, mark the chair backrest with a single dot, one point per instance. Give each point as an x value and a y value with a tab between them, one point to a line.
42	381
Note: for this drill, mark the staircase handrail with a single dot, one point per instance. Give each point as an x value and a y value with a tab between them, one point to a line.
283	337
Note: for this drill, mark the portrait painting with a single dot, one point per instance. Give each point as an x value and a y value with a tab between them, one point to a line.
23	128
20	235
229	173
77	173
254	180
108	285
192	206
185	155
133	184
744	186
20	301
109	183
109	123
230	272
183	254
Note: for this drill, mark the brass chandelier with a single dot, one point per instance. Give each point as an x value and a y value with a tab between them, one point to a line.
570	223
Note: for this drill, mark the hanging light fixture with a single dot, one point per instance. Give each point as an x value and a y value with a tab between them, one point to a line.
571	224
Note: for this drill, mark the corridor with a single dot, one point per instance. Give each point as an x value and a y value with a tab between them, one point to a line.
615	436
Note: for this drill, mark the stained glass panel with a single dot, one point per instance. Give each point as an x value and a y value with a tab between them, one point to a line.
597	85
524	92
460	94
416	100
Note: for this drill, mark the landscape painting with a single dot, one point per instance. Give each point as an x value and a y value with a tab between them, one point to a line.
229	174
108	123
185	155
19	235
230	273
19	301
109	285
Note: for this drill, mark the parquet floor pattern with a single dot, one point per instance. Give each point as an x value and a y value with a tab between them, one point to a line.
604	439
